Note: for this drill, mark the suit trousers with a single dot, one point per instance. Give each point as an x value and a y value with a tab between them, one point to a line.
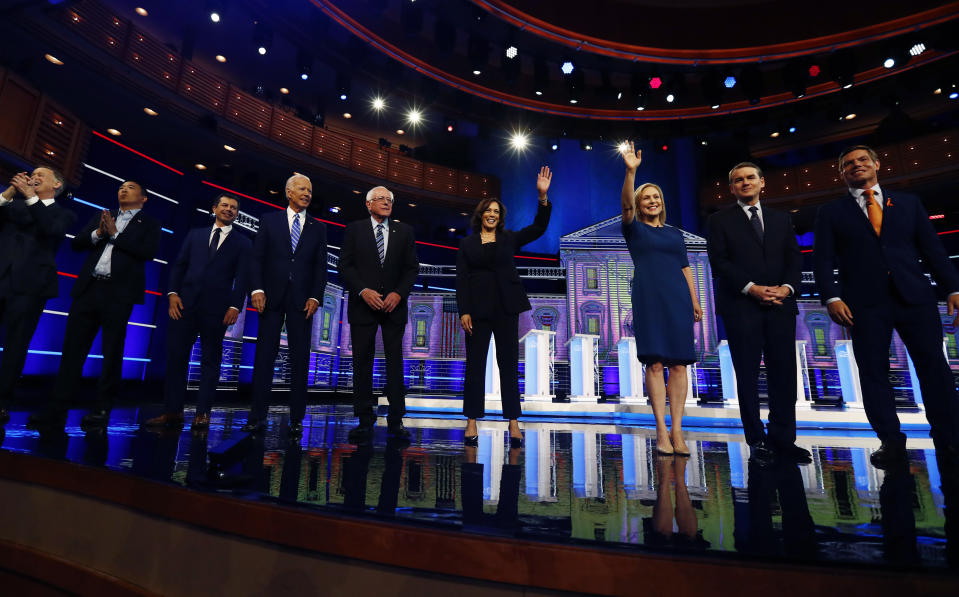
920	329
765	334
19	315
181	334
505	328
298	329
363	338
94	310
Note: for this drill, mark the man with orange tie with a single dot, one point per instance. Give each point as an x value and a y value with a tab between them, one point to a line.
876	238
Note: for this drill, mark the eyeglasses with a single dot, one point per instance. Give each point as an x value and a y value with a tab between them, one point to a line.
386	198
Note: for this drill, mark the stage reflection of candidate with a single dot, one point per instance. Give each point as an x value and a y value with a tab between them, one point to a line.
754	531
471	480
490	297
659	529
664	300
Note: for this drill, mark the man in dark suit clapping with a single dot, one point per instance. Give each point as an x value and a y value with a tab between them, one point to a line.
32	225
288	277
378	265
112	280
877	238
208	282
756	266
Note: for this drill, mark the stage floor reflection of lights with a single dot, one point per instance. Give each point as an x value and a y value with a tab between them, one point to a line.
571	482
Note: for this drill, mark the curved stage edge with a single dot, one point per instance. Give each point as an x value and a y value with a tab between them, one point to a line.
135	536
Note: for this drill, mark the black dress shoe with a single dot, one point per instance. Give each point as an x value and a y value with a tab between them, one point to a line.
253	425
889	456
95	418
4	416
361	435
761	454
793	453
397	430
46	419
296	428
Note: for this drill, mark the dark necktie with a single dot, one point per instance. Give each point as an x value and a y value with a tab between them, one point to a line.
214	242
756	222
380	245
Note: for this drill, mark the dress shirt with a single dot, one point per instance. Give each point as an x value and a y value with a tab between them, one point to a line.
759	212
290	214
29	201
104	265
860	196
224	231
386	237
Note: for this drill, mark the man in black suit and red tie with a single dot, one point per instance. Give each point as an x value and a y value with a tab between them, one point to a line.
288	277
208	283
756	266
112	280
32	225
378	265
876	238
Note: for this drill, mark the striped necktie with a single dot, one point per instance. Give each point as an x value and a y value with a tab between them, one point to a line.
295	231
379	243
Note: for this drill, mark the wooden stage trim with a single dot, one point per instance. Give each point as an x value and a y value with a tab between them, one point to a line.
568	567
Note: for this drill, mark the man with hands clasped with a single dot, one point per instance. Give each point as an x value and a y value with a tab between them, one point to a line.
756	266
32	225
378	266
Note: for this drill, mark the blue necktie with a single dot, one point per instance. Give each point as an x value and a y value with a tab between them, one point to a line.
295	232
379	243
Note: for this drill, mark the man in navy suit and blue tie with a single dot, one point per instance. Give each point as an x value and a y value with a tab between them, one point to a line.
876	238
378	265
288	277
208	283
32	225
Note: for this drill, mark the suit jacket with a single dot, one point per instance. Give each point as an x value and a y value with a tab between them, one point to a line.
737	256
477	283
866	262
360	268
276	269
132	249
29	238
212	285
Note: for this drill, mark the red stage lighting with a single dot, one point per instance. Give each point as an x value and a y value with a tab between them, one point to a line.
665	147
655	83
814	70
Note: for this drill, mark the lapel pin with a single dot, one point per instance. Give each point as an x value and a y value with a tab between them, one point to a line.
889	202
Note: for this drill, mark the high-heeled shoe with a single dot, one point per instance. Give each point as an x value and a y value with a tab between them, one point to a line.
471	440
515	442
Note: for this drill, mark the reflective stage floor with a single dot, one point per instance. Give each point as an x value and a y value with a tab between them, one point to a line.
572	483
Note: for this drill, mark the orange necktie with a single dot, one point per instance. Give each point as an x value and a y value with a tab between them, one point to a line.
873	211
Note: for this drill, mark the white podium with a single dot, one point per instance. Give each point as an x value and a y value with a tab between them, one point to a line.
848	374
492	372
631	375
538	348
583	367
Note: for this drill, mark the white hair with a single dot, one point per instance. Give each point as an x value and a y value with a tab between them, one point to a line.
289	181
369	194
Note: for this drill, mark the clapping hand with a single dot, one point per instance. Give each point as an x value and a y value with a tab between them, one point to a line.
22	183
632	157
542	182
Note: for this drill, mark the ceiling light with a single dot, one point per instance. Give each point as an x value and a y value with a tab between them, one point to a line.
199	166
574	101
215	17
917	49
334	209
793	129
655	83
220	58
670	98
114	132
463	213
414	117
150	111
357	192
714	106
954	95
619	95
519	141
640	108
704	142
378	103
567	67
511	52
347	115
937	91
53	59
343	97
889	62
284	90
586	146
477	72
774	134
141	11
400	132
850	116
452	229
730	82
623	147
412	204
537	92
229	148
261	50
814	70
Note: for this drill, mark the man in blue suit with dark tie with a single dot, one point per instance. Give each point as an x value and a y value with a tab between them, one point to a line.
208	283
288	277
876	238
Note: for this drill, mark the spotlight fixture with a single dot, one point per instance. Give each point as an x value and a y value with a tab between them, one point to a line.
586	146
850	116
400	132
519	141
262	38
567	67
729	82
512	52
53	59
670	97
814	70
220	58
343	86
792	128
284	91
334	209
477	72
623	147
414	117
450	126
554	145
347	115
199	166
229	148
304	64
574	101
655	82
150	112
215	17
889	62
378	104
774	134
141	11
917	49
114	132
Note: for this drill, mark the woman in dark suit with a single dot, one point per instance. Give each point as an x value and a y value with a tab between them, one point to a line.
490	298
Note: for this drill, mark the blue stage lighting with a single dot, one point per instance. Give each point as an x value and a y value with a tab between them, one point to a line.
730	82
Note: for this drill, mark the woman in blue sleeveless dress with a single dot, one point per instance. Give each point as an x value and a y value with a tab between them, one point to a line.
665	303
